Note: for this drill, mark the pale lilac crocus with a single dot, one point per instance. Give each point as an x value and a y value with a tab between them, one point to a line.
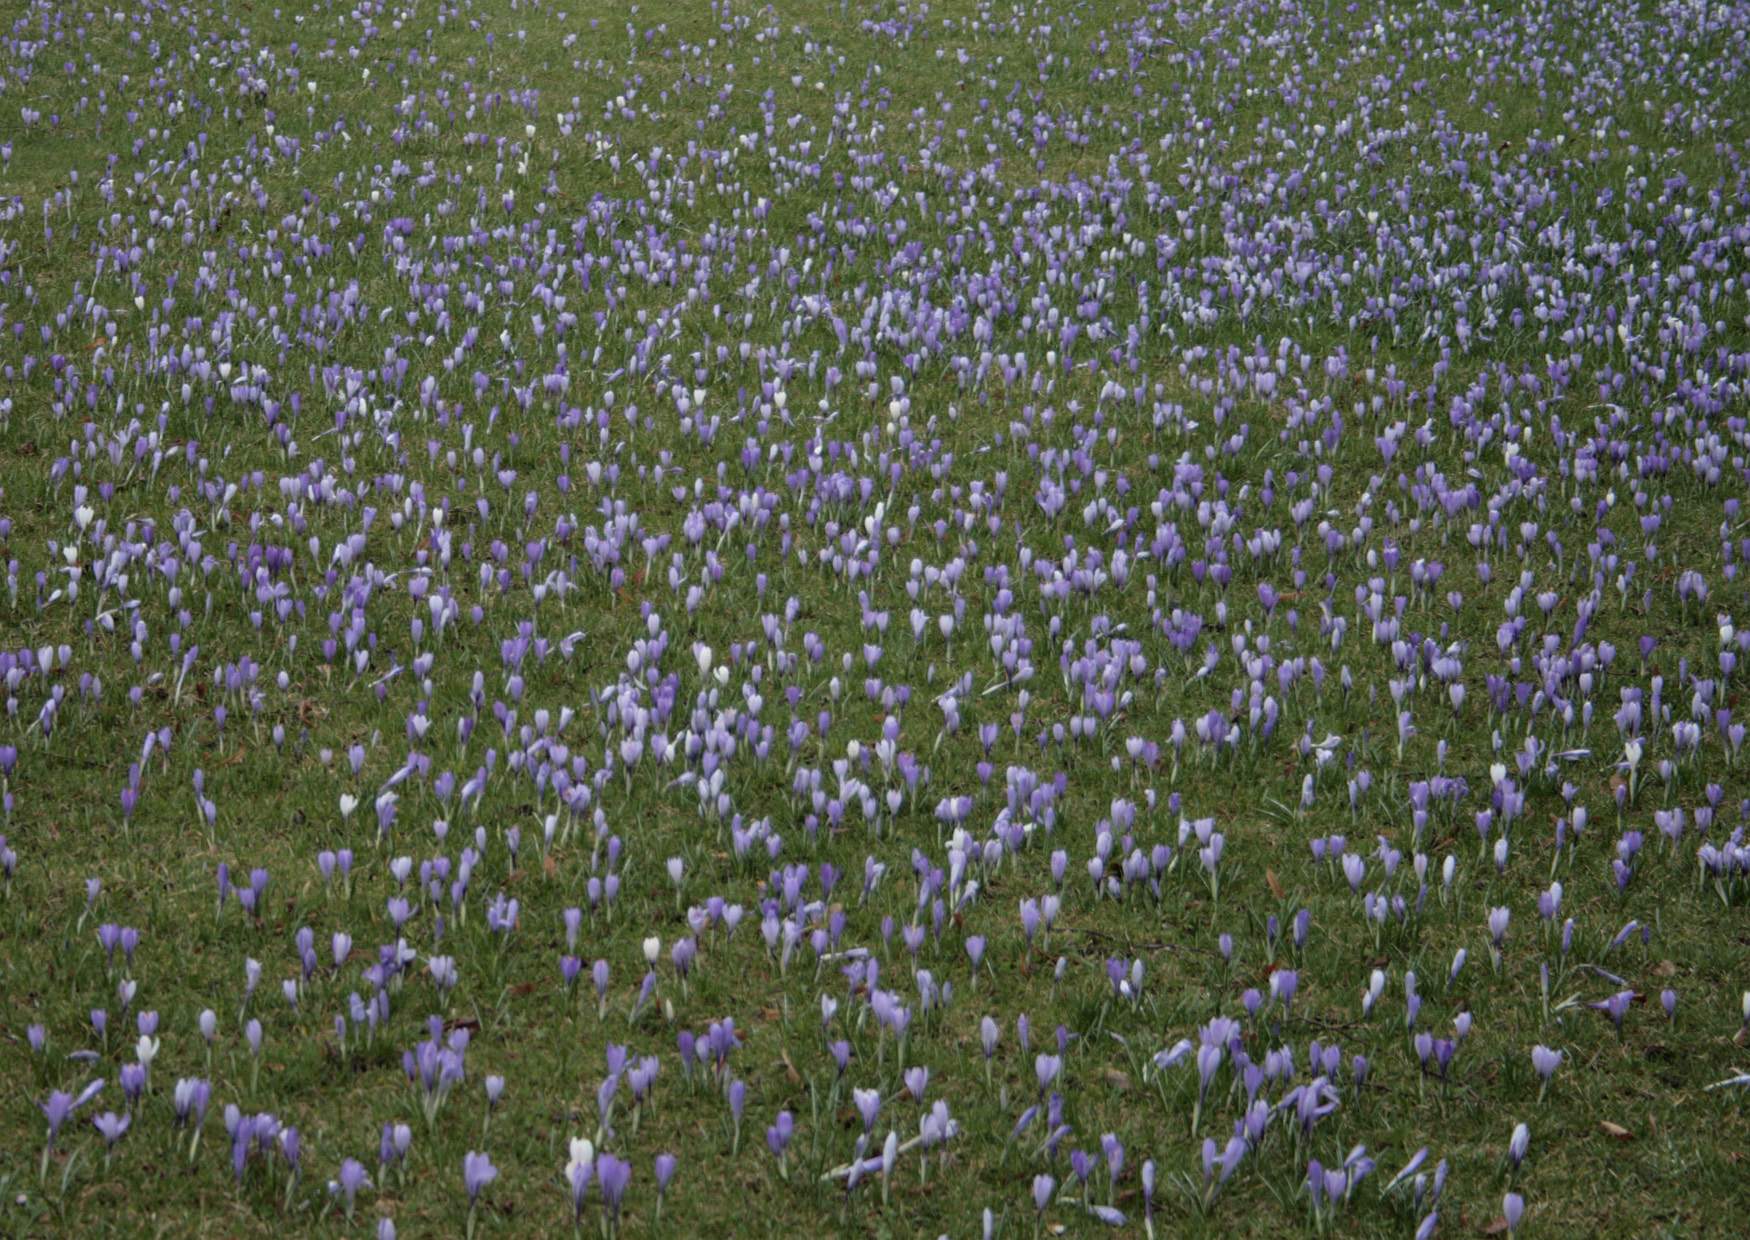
1518	1145
477	1173
1616	1007
347	1183
1043	1188
113	1128
57	1110
1498	921
1513	1210
1545	1062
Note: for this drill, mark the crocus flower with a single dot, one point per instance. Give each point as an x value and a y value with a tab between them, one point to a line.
1513	1210
1518	1145
1043	1188
868	1104
1498	919
477	1173
737	1096
665	1169
347	1183
778	1137
577	1177
58	1108
113	1127
132	1079
1545	1062
1616	1007
917	1080
1409	1170
614	1175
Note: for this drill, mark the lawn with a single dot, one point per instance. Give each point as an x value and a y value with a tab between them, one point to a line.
890	618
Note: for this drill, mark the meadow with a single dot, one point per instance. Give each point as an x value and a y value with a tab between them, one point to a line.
973	618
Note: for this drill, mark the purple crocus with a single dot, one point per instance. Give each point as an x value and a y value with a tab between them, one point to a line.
868	1104
1616	1007
57	1109
736	1094
113	1128
664	1170
346	1184
1544	1062
614	1174
1518	1145
578	1173
917	1080
778	1135
477	1173
1513	1210
1044	1186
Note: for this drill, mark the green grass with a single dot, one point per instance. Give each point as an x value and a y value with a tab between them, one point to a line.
305	212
